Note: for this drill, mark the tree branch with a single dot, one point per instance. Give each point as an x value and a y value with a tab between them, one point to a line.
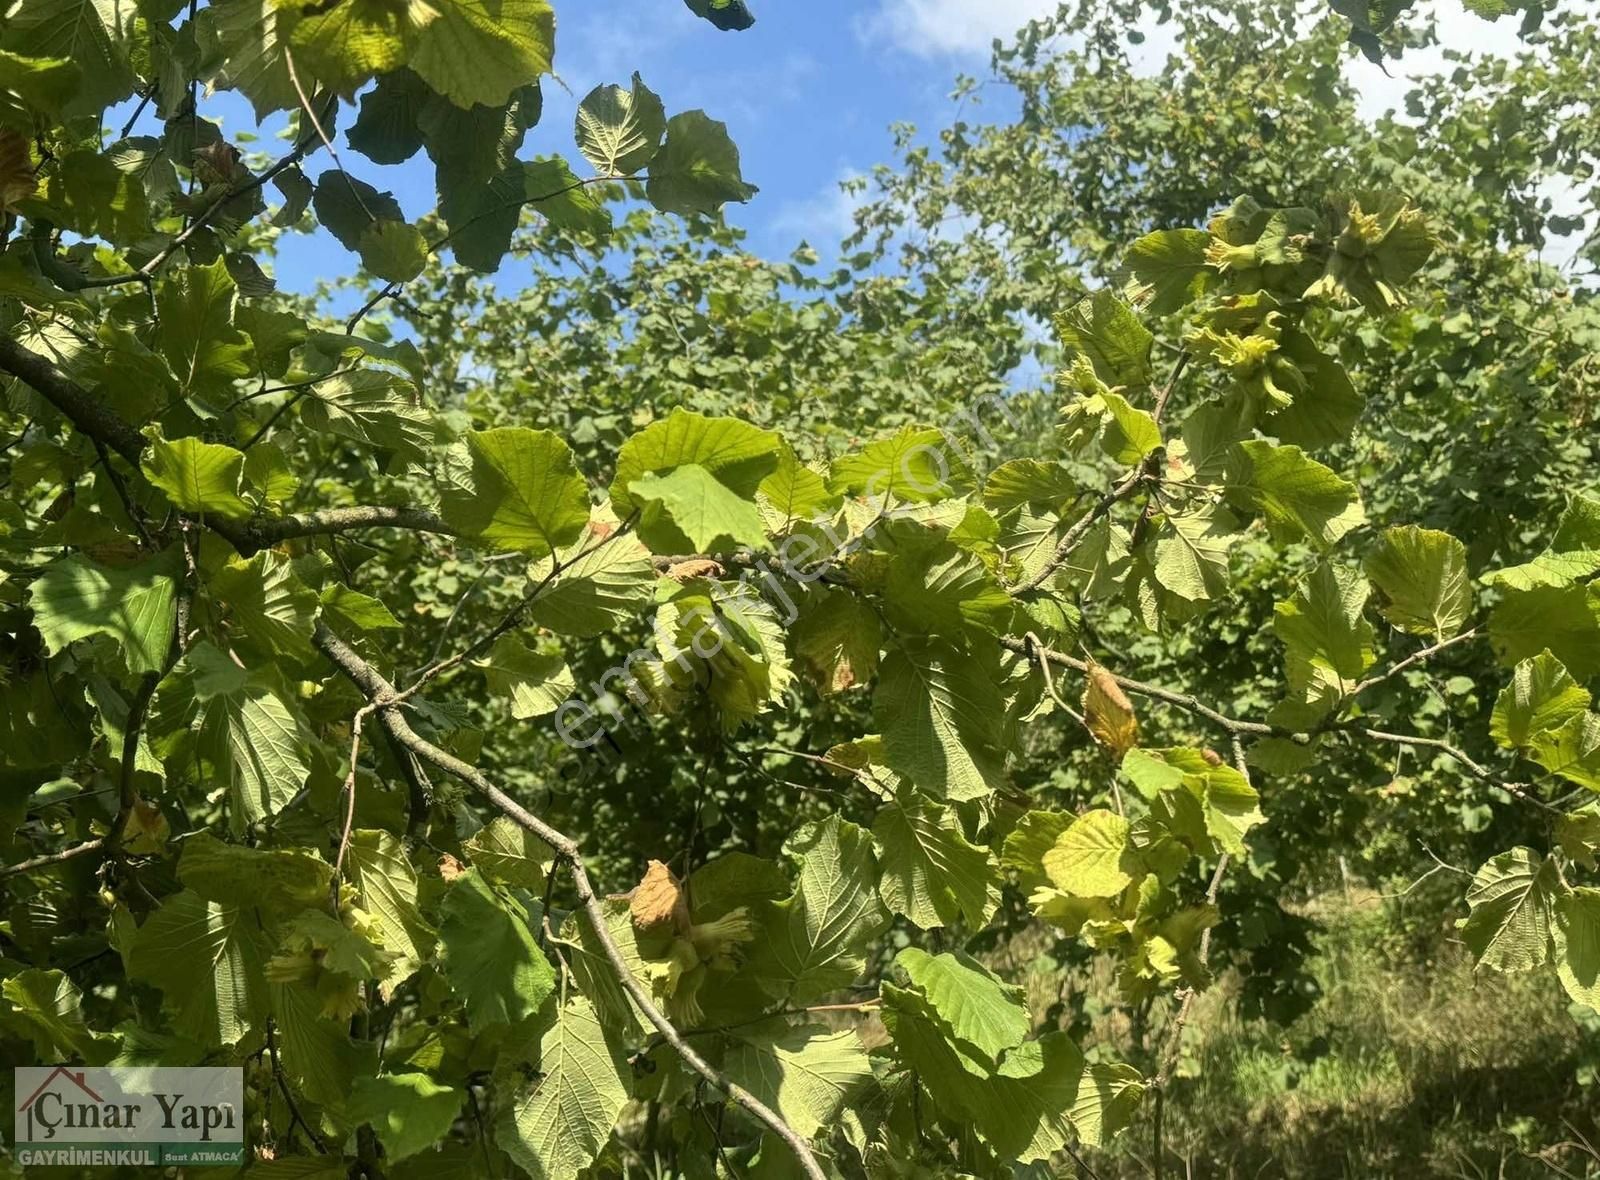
52	858
382	696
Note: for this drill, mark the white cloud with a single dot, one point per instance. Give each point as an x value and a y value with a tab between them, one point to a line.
823	219
1458	30
935	28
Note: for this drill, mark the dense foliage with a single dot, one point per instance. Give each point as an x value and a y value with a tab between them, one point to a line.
615	725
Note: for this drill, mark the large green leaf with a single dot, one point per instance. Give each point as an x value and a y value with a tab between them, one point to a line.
977	1010
346	45
738	454
47	1008
1565	620
708	512
1541	698
1092	857
1107	331
556	1127
1169	268
198	477
602	584
74	598
1298	496
807	1073
1579	965
931	873
410	1111
375	408
196	332
96	35
1328	644
493	963
480	51
939	711
518	489
386	887
212	714
697	168
208	958
508	854
813	941
1422	574
537	682
620	130
268	604
1513	899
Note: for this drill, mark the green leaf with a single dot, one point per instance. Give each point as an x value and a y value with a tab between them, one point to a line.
1191	556
275	882
939	712
410	1111
386	887
318	1055
1328	644
917	465
813	941
1423	575
975	1008
209	960
555	193
538	682
807	1073
46	1008
1513	899
600	586
237	723
509	854
1565	620
493	963
943	590
196	332
836	640
348	44
931	873
518	489
95	34
1573	751
1579	965
1092	858
1020	482
1109	333
705	510
347	207
1040	1099
74	598
1541	698
273	609
619	131
1168	268
559	1124
393	250
697	168
355	609
200	478
480	51
1298	496
1035	834
738	454
241	50
375	408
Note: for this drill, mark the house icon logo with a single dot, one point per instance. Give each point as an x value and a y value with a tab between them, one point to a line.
128	1116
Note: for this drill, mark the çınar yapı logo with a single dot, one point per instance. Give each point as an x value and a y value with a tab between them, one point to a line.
83	1116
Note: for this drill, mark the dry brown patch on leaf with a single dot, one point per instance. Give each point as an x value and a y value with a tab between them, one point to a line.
450	868
658	900
695	567
1109	712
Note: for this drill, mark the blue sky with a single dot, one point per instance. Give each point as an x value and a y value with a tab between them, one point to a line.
808	94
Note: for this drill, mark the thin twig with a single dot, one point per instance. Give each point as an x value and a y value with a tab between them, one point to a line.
52	858
383	695
1412	660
